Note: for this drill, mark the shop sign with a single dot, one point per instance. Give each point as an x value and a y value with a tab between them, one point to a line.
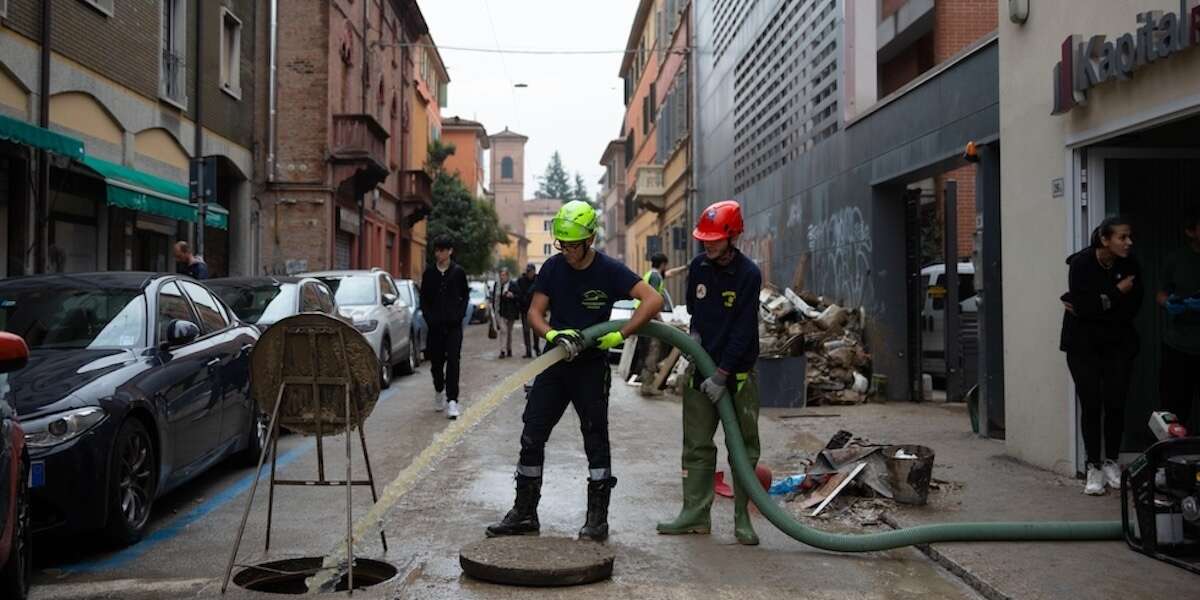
348	221
1089	63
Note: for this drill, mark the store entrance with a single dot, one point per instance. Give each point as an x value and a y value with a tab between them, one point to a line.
1151	177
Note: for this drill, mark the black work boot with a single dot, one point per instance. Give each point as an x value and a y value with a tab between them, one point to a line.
596	527
522	519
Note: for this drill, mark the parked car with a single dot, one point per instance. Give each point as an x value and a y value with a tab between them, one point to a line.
372	302
263	301
136	384
478	310
16	528
933	313
410	292
623	309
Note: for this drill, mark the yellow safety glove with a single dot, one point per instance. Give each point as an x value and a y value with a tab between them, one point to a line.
610	340
568	339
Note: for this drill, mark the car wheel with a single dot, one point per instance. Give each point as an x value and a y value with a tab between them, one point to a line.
259	431
132	483
385	364
410	361
16	573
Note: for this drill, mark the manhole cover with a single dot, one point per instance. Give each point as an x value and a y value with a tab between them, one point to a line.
287	576
537	561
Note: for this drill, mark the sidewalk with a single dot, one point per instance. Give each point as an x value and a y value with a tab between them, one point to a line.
986	485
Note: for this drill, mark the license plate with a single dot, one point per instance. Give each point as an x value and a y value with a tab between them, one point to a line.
37	474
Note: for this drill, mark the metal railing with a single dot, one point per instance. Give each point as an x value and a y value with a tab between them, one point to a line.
173	71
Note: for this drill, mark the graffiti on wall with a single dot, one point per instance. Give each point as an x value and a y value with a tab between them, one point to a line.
840	257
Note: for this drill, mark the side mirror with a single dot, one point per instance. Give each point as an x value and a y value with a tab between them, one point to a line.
389	299
180	332
14	354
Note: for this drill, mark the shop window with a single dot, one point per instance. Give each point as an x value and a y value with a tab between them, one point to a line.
231	54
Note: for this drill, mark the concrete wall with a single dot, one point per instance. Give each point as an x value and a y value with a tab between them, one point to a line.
1036	225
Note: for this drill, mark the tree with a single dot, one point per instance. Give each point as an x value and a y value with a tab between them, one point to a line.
472	223
580	192
555	183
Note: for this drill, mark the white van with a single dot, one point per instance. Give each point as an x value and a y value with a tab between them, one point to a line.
933	313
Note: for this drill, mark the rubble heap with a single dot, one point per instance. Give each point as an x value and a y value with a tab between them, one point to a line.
828	335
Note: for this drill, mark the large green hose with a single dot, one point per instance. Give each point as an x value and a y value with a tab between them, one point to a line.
867	542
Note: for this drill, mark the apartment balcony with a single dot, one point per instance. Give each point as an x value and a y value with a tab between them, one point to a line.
416	195
360	141
650	190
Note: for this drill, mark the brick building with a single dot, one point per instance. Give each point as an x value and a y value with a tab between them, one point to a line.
508	192
123	87
345	125
612	192
470	139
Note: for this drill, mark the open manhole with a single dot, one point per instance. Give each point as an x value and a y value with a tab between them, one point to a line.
287	576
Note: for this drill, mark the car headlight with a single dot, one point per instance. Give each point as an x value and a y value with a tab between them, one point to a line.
366	326
56	429
483	305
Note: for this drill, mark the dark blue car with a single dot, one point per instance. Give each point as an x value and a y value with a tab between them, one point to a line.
136	383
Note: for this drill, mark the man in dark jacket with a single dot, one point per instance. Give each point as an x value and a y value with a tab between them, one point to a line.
444	296
525	285
505	301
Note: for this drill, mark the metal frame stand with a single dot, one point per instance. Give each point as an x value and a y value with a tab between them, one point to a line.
272	444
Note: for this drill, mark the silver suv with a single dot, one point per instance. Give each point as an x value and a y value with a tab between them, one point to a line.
370	299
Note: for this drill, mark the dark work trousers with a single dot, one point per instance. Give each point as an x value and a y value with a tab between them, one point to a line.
1179	383
445	349
584	383
529	336
1102	384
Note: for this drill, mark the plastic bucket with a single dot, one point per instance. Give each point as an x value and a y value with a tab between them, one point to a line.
910	476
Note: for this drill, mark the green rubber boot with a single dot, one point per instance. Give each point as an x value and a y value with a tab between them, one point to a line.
697	501
743	529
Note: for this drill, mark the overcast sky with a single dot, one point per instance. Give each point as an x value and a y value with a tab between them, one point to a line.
573	103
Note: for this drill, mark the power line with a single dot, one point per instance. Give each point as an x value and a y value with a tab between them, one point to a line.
544	52
503	64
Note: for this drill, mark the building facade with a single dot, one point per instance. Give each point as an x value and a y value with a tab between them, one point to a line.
508	192
539	223
346	125
793	122
125	82
612	195
1117	134
470	139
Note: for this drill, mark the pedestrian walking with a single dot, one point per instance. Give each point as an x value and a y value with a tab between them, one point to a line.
506	308
1180	296
656	350
525	286
579	286
722	299
193	266
444	296
1103	297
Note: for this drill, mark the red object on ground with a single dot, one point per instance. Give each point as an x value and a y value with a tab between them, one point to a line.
724	489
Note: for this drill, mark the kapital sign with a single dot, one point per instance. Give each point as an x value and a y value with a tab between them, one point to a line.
1086	64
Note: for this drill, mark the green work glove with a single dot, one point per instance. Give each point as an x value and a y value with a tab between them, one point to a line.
610	340
568	339
714	386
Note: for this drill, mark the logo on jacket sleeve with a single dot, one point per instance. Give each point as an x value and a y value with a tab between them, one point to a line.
701	291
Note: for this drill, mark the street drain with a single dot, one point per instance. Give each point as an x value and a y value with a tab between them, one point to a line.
287	576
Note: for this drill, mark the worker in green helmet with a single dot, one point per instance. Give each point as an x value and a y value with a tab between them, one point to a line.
578	286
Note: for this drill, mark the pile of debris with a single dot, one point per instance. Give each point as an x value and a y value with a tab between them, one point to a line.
829	336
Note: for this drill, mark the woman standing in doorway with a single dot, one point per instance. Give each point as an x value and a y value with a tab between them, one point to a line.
1103	297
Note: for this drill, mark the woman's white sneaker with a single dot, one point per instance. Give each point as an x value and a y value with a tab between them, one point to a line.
439	401
1095	481
452	410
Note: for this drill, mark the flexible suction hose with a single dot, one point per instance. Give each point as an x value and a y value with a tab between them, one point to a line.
866	542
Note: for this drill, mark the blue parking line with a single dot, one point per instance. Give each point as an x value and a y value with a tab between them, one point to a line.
177	526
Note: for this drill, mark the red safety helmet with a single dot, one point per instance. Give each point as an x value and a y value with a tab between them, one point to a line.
720	221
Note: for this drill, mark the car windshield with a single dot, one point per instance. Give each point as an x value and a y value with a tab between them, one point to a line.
264	304
75	318
478	290
623	304
352	291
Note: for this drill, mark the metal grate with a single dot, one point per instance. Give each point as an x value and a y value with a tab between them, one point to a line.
786	88
728	16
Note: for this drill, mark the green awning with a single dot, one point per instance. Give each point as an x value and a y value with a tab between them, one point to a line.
15	130
136	190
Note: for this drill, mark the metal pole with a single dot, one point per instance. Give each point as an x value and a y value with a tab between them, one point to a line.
41	203
362	437
349	505
953	361
272	63
198	144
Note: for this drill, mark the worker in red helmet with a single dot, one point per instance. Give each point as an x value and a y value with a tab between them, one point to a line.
722	299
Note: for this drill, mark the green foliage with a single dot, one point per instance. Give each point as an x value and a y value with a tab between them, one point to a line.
438	153
471	222
580	192
555	183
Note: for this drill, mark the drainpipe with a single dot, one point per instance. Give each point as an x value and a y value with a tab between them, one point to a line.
272	62
198	144
693	198
360	191
41	204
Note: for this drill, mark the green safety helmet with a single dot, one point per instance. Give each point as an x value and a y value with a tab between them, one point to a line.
575	221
